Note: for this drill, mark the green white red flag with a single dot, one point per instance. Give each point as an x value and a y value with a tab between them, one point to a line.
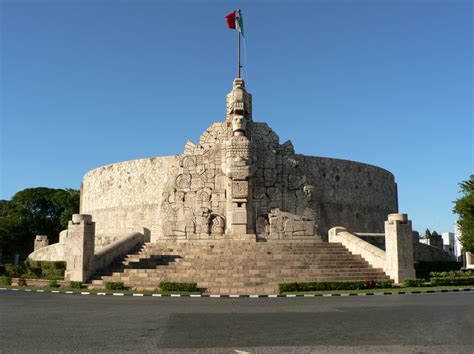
235	21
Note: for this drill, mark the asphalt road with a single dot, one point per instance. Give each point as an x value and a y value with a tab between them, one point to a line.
421	323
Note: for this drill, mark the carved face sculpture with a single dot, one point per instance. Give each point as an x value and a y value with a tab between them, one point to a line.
238	124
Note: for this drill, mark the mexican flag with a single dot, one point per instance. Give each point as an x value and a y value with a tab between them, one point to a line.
235	21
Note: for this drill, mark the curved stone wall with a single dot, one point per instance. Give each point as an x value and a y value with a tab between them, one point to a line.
126	197
352	194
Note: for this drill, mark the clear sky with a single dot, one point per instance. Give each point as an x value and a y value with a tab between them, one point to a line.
86	83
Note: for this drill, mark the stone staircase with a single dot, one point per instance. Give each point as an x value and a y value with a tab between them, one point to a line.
238	267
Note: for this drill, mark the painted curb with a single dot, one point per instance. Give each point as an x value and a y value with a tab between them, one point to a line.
253	296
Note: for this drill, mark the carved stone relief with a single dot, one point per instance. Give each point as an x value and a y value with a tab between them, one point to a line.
240	170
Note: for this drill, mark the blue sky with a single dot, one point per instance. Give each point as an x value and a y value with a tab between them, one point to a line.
389	83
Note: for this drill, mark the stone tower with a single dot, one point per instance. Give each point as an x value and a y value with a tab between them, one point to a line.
239	182
239	160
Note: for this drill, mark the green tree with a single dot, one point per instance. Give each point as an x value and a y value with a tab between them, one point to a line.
35	211
464	207
427	234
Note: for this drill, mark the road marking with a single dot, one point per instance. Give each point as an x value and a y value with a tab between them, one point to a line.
438	291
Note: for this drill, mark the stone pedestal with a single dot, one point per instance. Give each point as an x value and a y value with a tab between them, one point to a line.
469	260
80	248
399	248
40	242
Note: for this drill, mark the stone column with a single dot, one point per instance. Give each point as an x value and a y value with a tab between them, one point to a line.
399	248
80	248
238	166
40	242
469	260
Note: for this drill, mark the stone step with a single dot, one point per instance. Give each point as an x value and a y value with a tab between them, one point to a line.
244	266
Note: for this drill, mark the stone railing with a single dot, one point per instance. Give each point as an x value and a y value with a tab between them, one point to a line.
54	252
397	259
76	247
372	254
105	256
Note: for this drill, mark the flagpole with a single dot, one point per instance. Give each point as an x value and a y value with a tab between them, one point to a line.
238	54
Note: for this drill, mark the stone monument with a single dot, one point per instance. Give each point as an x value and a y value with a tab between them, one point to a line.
237	182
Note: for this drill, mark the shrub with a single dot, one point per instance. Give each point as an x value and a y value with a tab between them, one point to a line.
36	270
413	283
452	281
46	269
75	285
387	284
115	285
14	270
22	282
4	280
288	287
453	273
334	285
171	286
53	284
423	269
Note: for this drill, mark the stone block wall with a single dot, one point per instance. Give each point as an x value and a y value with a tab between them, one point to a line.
354	194
126	197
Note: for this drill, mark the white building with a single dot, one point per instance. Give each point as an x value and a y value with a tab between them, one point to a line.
457	243
449	243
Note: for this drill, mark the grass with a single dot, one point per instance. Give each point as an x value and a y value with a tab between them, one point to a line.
387	290
149	292
95	291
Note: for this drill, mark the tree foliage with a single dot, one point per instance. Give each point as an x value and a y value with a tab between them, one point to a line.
35	211
464	207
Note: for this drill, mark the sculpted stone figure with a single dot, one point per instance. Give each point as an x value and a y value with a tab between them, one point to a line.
205	221
308	191
284	225
239	125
